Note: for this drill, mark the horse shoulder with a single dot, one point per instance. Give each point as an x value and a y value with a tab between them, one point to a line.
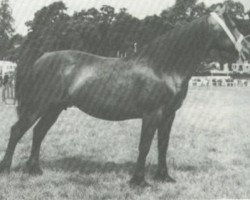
174	82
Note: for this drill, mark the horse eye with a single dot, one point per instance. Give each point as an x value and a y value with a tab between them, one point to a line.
233	25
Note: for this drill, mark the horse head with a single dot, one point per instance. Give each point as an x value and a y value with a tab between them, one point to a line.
227	38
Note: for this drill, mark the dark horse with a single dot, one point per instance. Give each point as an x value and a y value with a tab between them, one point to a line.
151	86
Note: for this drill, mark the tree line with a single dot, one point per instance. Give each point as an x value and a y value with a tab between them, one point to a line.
103	31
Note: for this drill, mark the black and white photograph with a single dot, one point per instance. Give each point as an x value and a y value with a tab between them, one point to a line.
124	99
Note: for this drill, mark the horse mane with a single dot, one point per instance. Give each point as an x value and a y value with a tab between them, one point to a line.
179	47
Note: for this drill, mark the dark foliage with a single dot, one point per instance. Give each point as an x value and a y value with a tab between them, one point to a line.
105	31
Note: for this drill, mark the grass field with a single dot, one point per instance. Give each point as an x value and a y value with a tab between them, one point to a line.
87	158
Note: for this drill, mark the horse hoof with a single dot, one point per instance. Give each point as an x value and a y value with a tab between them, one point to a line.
136	182
33	170
36	172
164	178
4	168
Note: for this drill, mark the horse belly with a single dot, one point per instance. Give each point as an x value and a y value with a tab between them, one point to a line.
109	100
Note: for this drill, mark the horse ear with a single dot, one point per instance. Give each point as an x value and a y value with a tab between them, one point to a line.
220	9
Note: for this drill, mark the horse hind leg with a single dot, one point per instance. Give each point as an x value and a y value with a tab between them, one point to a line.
39	132
17	132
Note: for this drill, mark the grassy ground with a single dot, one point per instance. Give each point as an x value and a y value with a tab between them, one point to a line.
86	158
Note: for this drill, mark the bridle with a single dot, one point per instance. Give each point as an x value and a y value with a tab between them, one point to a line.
236	41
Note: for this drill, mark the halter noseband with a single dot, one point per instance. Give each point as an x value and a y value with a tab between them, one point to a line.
237	42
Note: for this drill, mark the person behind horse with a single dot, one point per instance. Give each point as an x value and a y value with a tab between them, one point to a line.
5	85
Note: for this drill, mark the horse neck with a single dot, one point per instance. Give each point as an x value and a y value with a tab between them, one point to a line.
180	50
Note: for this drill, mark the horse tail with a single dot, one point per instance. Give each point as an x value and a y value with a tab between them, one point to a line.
24	81
38	84
23	84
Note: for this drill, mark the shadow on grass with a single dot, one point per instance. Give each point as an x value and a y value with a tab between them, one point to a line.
87	166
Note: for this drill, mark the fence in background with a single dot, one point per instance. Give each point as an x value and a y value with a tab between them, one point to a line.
213	81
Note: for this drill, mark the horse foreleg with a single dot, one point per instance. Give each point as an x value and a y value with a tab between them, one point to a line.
163	141
149	125
17	132
39	132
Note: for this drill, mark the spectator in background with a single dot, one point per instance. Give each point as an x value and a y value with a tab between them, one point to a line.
11	85
5	85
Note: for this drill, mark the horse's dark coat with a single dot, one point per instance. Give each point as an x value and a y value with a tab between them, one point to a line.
151	86
118	89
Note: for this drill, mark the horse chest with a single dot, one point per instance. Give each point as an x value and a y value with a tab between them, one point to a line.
173	83
158	91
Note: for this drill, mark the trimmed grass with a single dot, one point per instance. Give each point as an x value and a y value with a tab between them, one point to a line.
86	158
